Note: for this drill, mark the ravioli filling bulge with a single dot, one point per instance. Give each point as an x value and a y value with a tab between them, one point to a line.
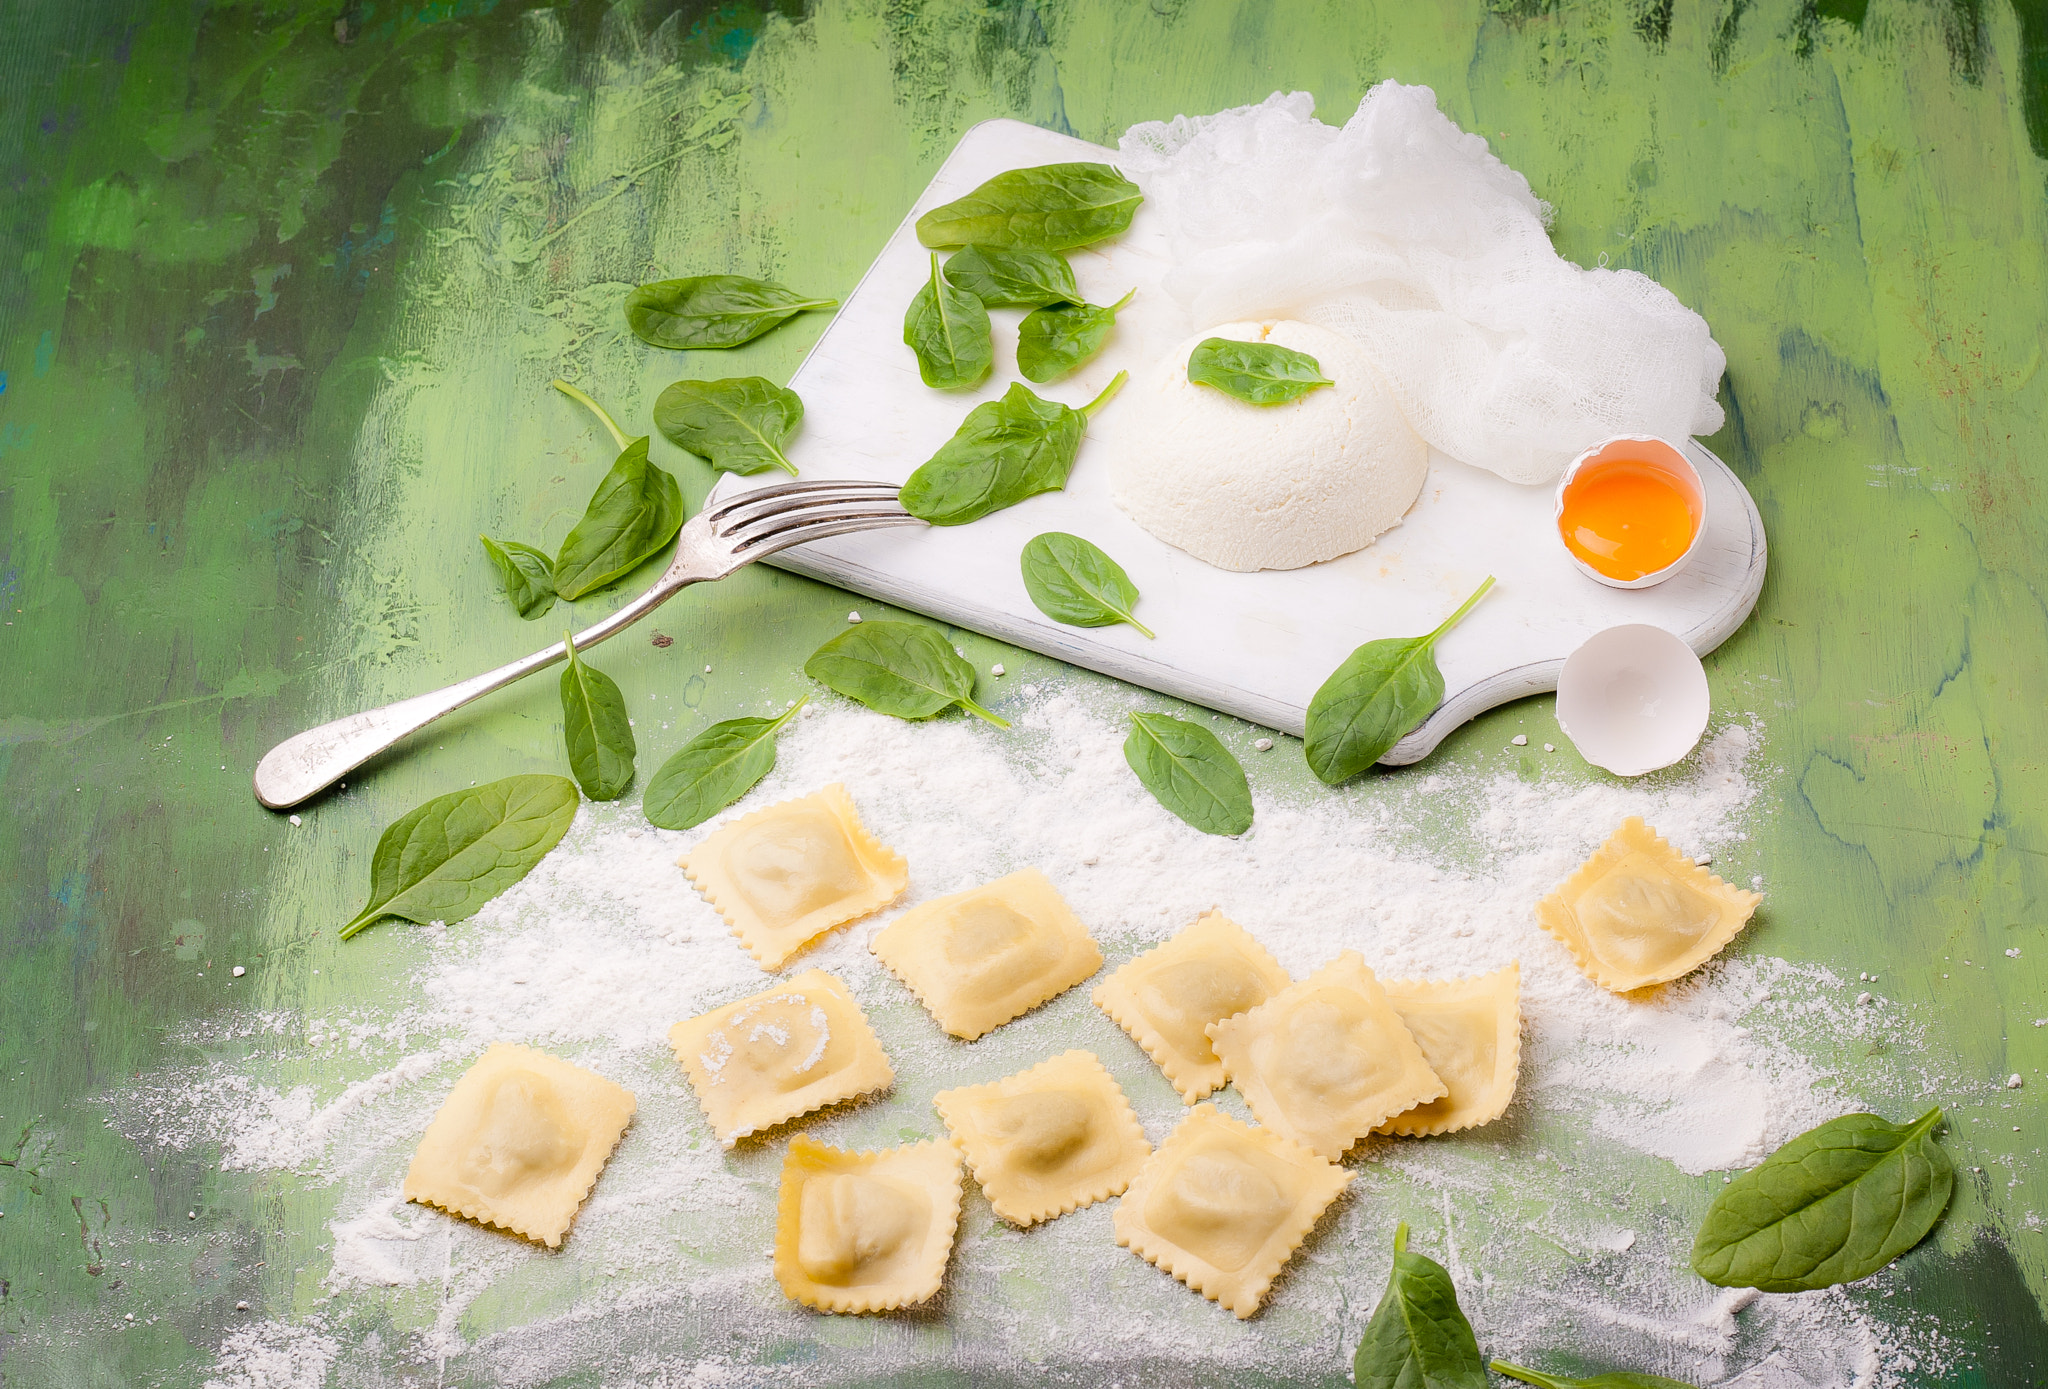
855	1227
1044	1130
1182	997
526	1136
1461	1043
795	863
1220	1204
780	1044
1316	1058
991	948
1639	918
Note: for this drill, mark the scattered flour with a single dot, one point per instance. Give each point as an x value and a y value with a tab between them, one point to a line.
273	1355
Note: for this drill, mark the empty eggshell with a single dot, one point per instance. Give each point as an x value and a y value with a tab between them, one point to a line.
1632	699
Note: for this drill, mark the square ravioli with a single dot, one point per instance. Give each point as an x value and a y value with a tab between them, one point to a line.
1048	1140
1222	1206
865	1232
780	1053
784	876
1326	1061
1639	912
519	1142
1167	997
981	957
1470	1032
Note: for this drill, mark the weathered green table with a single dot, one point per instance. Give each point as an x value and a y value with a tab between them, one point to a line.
243	241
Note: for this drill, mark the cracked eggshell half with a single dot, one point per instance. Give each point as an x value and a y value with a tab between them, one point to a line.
1632	699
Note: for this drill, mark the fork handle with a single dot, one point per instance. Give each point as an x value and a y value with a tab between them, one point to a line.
310	762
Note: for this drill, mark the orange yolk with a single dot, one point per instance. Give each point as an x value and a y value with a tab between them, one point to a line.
1626	520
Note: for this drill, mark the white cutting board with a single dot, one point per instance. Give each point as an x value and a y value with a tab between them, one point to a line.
1253	645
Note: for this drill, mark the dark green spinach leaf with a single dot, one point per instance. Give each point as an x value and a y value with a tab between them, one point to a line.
901	668
1616	1379
1189	771
738	425
1053	207
1013	279
1258	373
1006	450
1053	341
1418	1337
1835	1204
1072	581
712	310
948	330
713	770
595	729
445	859
1382	690
528	575
634	514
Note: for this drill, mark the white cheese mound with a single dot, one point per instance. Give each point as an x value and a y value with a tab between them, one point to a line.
1267	486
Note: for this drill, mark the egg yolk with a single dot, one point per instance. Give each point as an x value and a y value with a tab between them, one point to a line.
1626	519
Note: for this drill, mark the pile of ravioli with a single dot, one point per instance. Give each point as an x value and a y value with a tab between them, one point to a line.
1221	1205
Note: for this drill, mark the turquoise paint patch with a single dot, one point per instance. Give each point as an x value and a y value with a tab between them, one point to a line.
46	352
3	383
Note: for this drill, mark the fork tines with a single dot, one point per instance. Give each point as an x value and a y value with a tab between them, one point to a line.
792	513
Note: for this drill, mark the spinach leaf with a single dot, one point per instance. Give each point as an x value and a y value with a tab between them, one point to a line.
1616	1379
528	575
712	310
738	425
713	770
1053	207
595	729
633	515
1052	342
1259	373
1005	450
1418	1337
445	859
1835	1204
1382	690
1013	278
948	330
1190	772
901	668
1072	581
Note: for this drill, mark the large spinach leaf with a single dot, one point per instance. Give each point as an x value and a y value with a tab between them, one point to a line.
1190	772
445	859
738	425
1006	450
1835	1204
1258	373
1053	341
633	515
1073	581
948	330
1418	1337
1013	278
1053	207
713	770
901	668
528	575
595	729
712	310
1614	1379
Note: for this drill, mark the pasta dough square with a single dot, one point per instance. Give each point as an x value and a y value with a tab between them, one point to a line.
1639	912
865	1232
1168	996
1470	1032
1222	1206
784	876
519	1142
981	957
1048	1140
780	1053
1327	1060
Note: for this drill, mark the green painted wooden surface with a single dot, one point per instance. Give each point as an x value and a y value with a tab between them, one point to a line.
281	286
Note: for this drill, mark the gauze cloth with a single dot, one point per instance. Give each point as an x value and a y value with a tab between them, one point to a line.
1401	231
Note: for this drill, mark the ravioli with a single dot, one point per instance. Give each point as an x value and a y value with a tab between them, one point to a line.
1047	1140
981	957
1222	1206
519	1142
1168	996
1327	1060
1639	912
783	876
1470	1032
865	1232
778	1054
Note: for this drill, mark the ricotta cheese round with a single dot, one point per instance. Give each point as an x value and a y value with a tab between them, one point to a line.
1267	486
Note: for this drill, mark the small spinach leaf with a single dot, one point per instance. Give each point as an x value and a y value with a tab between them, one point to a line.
1013	279
738	425
1835	1204
1258	373
713	770
1005	450
1616	1379
633	515
948	330
1053	207
445	859
901	668
1190	772
1052	342
1418	1337
596	730
528	575
1072	581
1382	690
712	310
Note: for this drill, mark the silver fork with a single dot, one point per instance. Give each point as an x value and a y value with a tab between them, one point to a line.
718	540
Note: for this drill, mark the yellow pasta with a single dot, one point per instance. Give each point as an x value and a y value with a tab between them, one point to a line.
865	1232
1470	1032
1167	997
1048	1140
